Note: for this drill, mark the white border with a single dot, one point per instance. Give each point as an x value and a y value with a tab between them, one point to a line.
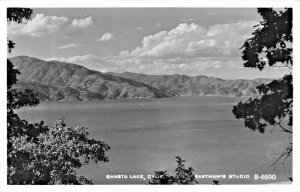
295	187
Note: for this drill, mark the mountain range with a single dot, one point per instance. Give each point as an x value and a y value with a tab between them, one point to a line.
198	85
60	81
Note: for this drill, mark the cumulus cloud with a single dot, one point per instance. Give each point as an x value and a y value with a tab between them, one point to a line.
82	23
71	45
192	40
78	25
167	66
40	25
106	37
188	66
186	49
89	61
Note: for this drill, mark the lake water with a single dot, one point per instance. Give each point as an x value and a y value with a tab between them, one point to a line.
145	135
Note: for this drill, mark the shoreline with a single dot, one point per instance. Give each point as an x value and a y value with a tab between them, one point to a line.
148	98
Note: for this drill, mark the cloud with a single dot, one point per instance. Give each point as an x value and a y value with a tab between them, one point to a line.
179	65
71	45
39	26
186	49
89	61
78	25
139	28
217	67
158	24
82	23
192	40
106	37
42	25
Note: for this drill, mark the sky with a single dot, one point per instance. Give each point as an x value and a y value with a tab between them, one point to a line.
154	41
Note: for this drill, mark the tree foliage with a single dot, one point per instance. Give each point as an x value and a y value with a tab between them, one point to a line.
182	175
37	154
55	156
270	45
18	14
272	107
271	41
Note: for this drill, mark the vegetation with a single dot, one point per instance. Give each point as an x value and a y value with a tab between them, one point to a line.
182	175
37	154
270	46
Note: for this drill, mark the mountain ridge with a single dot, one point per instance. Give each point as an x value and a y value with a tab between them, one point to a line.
75	82
198	85
55	81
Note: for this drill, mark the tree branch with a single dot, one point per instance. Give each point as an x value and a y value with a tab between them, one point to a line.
283	156
284	129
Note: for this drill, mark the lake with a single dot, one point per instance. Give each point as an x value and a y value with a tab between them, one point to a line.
145	135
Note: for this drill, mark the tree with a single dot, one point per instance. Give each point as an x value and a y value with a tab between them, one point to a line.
37	154
183	175
270	45
55	156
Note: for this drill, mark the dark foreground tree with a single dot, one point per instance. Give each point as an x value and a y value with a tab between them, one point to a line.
55	156
37	154
183	175
270	46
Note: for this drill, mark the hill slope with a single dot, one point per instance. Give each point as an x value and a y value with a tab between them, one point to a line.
199	85
53	80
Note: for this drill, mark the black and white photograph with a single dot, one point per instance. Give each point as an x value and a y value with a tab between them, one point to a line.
149	95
